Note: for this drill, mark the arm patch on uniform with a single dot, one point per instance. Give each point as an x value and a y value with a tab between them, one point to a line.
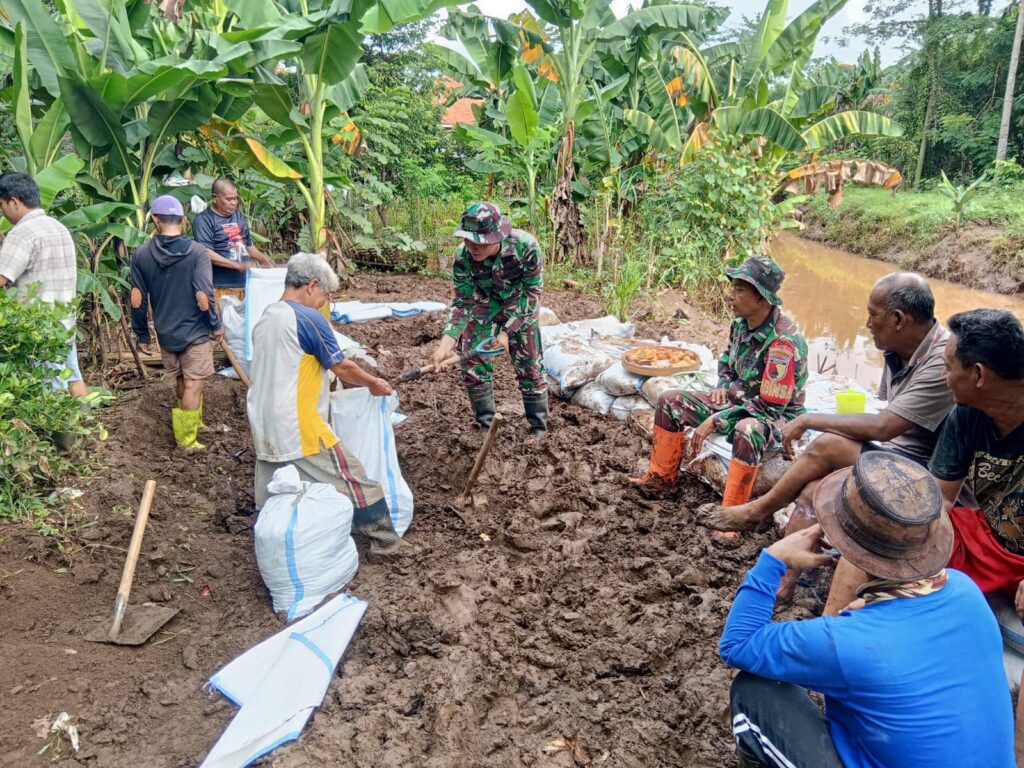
779	381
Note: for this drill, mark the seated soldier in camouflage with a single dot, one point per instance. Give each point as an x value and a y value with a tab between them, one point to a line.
498	274
761	378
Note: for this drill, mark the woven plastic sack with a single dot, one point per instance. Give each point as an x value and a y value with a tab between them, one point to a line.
593	398
619	382
573	362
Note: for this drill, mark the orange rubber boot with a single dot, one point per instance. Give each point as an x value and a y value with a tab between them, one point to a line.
739	483
666	456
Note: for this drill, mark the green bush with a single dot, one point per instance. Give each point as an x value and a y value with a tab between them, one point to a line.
32	415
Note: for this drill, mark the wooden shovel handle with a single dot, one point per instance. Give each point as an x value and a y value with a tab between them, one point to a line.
234	363
481	457
125	587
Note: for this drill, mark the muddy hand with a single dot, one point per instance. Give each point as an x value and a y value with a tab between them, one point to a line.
791	433
444	350
801	549
700	434
379	388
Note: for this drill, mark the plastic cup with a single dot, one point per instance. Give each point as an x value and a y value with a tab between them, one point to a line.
850	401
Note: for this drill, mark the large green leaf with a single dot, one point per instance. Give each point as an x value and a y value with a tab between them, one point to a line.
84	217
48	133
168	118
107	21
331	55
764	122
812	101
480	136
769	27
797	39
22	98
155	78
57	177
587	107
385	15
523	120
48	51
464	68
254	14
348	92
657	18
648	127
276	103
94	123
849	123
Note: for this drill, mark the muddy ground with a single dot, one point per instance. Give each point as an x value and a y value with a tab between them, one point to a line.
562	610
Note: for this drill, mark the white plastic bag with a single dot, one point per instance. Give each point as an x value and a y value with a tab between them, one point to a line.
606	326
363	423
232	315
619	382
546	316
557	390
592	397
304	546
573	362
656	386
263	287
622	406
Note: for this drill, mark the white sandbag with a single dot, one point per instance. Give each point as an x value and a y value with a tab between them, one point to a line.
593	398
546	317
363	424
606	326
304	546
619	382
573	362
263	287
232	315
656	386
557	390
623	406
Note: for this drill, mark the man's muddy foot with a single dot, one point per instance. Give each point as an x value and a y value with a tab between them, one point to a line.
729	518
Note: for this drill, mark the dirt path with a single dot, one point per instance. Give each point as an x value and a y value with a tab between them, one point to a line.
583	612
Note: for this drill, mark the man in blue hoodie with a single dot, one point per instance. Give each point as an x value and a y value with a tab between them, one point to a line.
173	273
911	671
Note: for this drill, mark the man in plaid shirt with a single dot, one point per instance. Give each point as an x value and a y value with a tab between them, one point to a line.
39	251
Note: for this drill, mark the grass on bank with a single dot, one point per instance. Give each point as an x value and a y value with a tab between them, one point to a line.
872	221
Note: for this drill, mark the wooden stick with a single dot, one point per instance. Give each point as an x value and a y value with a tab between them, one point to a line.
234	363
414	373
128	339
125	588
482	455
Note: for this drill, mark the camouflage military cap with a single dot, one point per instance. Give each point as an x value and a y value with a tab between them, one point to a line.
762	273
483	223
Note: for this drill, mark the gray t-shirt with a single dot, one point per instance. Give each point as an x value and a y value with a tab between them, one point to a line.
919	393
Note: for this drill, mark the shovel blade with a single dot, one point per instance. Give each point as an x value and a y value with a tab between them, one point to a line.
140	623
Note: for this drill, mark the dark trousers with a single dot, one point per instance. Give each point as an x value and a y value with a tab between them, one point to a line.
777	725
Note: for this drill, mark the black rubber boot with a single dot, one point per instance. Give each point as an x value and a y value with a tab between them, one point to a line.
482	400
536	406
375	522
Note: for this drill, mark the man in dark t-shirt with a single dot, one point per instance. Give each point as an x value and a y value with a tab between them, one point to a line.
980	454
224	229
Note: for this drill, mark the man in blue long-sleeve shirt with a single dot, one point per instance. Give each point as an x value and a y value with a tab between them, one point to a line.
911	671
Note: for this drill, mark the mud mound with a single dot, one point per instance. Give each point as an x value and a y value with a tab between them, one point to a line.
557	620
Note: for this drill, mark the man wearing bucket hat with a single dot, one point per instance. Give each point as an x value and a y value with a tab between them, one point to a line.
173	274
498	275
761	378
911	672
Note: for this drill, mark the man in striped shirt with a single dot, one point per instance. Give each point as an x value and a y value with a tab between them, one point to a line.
289	401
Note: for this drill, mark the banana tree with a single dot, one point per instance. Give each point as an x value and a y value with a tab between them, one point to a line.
322	40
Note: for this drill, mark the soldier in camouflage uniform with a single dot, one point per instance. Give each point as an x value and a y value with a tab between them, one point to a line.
761	379
498	275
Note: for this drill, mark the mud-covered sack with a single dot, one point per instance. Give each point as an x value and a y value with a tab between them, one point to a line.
619	382
697	381
304	546
623	406
546	317
573	362
602	326
364	424
592	397
557	390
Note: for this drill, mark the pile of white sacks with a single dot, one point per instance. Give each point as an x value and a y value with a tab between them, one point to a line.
584	364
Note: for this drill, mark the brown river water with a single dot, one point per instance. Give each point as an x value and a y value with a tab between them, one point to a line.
826	293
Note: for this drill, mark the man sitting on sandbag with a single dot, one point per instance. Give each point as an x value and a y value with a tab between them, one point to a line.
901	318
980	453
293	348
911	672
761	378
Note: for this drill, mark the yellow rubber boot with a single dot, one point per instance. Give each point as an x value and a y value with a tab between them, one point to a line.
739	483
666	456
186	427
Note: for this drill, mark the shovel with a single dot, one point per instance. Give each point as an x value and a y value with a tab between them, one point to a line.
135	626
489	347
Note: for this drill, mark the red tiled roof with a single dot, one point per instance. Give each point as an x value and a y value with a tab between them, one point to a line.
460	112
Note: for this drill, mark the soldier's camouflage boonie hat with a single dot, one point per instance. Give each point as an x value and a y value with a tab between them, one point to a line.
762	273
483	223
